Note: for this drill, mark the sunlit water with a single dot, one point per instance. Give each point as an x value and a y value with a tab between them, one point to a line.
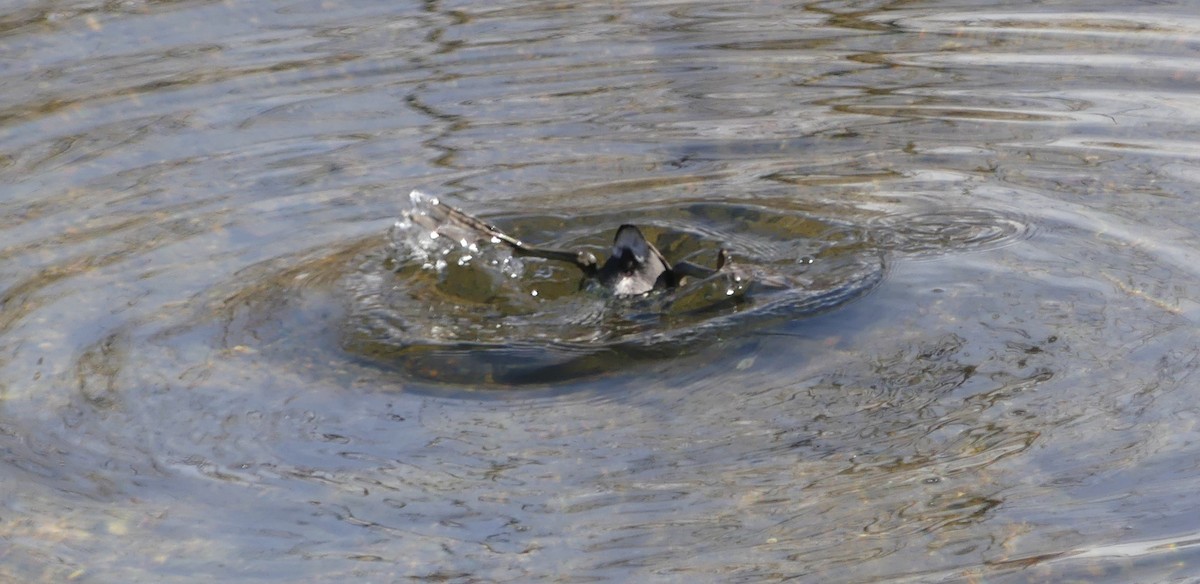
206	329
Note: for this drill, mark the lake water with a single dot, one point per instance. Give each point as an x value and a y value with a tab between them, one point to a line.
197	203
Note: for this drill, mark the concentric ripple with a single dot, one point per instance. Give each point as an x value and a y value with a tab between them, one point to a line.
468	313
936	233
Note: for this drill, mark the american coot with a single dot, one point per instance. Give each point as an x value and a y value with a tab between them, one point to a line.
635	267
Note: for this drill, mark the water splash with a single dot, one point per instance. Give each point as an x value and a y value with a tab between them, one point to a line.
417	236
458	307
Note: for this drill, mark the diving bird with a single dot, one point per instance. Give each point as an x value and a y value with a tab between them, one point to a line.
635	267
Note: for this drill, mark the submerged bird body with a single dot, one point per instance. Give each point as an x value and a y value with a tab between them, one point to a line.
635	266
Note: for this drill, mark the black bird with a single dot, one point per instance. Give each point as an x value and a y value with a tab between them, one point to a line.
635	267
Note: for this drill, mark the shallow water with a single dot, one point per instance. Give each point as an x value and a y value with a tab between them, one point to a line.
196	200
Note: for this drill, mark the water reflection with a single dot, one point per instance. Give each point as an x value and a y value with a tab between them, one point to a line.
193	226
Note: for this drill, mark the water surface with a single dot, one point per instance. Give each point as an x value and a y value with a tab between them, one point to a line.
196	197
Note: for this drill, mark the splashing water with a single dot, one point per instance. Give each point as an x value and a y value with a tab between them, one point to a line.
416	236
457	306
